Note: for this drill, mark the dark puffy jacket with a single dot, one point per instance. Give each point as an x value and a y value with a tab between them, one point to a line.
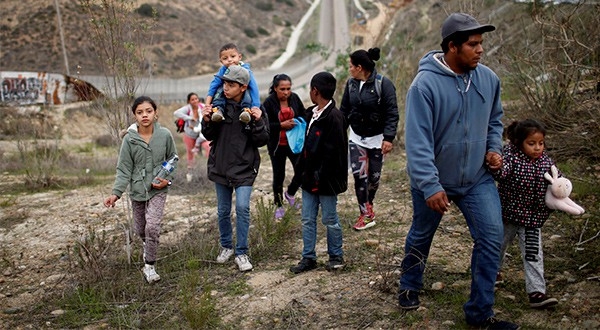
324	158
272	108
365	114
234	159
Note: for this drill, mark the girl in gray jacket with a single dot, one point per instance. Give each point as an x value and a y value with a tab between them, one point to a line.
146	145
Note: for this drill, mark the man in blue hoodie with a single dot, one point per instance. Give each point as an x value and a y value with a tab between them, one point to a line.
453	138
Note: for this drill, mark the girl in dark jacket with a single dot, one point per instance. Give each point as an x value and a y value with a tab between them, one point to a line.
282	106
369	103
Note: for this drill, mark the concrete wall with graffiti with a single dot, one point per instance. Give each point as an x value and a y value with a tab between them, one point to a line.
22	88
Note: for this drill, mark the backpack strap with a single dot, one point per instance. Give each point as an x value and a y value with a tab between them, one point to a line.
378	80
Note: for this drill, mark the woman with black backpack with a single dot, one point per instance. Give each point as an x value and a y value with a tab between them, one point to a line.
369	104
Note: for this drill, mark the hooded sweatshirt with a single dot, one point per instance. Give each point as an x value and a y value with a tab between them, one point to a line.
452	121
139	162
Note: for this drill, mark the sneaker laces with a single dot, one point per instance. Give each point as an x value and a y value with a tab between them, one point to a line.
243	259
361	221
370	214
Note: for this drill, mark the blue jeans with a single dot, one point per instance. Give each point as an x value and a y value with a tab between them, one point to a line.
481	208
242	211
310	210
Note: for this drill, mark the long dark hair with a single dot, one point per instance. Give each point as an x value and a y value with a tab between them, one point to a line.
518	131
276	79
366	59
190	96
141	100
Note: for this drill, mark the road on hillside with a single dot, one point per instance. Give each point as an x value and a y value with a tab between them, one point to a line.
333	33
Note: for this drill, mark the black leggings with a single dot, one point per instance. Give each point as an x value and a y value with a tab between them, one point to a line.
278	163
366	169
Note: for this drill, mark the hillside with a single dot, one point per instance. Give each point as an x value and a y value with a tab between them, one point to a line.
64	262
185	41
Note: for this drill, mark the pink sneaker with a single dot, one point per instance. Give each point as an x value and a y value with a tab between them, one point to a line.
370	213
279	213
363	222
290	199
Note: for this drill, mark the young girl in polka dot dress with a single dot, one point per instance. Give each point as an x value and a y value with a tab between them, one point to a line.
522	189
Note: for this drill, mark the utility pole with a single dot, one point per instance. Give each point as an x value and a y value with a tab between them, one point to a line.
62	37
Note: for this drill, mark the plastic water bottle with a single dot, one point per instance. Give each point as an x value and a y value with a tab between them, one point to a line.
167	167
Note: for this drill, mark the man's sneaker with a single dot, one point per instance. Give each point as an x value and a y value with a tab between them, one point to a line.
290	199
363	222
335	263
243	263
217	115
189	177
408	299
150	274
279	213
499	279
541	300
493	323
245	116
304	265
224	255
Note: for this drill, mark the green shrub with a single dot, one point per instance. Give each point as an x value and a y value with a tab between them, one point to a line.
250	49
250	33
287	2
270	238
264	6
262	31
147	11
105	140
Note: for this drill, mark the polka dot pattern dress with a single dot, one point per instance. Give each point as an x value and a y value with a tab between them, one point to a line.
522	187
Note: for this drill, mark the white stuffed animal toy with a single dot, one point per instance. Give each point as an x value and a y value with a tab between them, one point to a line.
557	194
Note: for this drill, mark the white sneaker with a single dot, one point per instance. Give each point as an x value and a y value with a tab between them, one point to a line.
150	274
224	255
188	177
243	263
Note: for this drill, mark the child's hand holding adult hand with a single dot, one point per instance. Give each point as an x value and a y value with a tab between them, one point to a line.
207	112
256	113
493	160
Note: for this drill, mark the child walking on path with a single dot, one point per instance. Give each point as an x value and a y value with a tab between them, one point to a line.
323	165
522	189
233	163
146	145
